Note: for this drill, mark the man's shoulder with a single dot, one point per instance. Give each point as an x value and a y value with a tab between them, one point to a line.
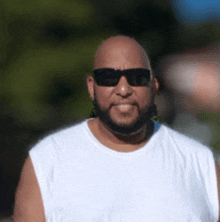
61	137
185	142
66	132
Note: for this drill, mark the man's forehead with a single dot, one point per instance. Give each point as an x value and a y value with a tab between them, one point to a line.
119	51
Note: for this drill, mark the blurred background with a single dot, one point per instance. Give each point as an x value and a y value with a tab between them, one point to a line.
47	49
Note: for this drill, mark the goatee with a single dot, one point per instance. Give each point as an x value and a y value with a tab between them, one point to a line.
125	129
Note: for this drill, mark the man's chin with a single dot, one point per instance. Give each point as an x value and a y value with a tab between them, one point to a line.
124	128
124	125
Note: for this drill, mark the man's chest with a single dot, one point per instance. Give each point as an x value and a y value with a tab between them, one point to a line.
126	195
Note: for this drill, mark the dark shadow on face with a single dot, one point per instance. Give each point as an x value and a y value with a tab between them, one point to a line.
126	129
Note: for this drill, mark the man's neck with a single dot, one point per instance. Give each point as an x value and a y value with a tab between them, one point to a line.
123	143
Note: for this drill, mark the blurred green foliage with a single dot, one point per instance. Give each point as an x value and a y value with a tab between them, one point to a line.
46	51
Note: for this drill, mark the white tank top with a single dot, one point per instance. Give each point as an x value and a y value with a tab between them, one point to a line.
171	179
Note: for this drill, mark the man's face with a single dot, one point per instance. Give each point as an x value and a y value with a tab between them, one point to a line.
123	108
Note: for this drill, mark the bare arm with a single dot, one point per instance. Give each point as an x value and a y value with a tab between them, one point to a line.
28	201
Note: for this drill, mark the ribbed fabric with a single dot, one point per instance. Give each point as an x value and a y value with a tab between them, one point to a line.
170	179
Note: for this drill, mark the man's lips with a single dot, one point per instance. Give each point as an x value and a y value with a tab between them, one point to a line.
124	107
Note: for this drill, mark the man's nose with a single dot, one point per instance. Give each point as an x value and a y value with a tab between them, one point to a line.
123	88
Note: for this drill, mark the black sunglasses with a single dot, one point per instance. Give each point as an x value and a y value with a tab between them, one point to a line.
111	77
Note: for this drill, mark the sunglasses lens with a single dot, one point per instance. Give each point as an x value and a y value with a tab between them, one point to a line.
111	77
139	77
106	77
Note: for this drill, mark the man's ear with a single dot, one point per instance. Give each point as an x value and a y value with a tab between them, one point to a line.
155	86
90	86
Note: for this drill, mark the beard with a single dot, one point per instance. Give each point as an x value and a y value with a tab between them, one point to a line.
125	129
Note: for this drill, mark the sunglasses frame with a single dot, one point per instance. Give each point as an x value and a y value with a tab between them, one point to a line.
130	74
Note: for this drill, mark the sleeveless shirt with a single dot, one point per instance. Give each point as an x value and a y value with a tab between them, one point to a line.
171	179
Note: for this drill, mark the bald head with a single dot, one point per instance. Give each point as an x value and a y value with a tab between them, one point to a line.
121	52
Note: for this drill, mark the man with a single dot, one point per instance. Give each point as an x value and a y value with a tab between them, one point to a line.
120	166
